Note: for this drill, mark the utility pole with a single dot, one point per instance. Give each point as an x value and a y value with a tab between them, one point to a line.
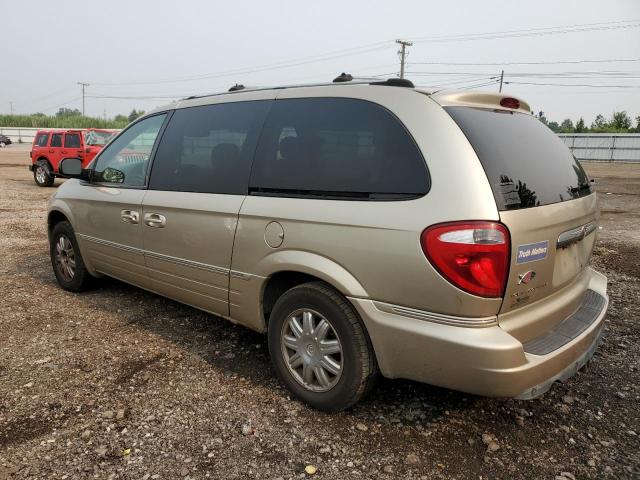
501	79
83	85
11	107
403	54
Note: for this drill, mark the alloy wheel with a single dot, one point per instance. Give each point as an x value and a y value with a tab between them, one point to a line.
312	350
41	174
65	258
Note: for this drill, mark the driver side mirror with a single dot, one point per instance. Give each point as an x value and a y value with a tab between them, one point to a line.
72	168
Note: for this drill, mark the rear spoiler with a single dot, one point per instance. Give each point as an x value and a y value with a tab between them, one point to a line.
492	100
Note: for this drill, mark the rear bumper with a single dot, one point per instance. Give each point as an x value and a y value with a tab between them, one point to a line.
483	359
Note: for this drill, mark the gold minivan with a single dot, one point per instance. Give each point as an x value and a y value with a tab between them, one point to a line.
364	226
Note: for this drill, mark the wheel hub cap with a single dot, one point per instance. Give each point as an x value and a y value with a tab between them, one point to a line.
312	350
65	258
40	174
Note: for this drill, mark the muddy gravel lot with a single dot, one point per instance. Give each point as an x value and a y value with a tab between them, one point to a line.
121	383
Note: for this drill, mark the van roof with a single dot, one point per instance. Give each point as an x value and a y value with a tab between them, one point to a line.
478	99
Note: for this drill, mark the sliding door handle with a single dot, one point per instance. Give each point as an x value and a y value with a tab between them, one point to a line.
155	220
130	216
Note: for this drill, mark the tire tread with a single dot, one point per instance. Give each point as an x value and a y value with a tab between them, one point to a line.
369	366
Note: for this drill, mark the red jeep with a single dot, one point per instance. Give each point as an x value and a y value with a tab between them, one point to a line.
51	146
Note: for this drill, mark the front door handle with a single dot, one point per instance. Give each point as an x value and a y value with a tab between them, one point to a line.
155	220
130	216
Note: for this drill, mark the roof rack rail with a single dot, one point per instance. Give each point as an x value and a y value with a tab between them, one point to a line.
343	77
395	82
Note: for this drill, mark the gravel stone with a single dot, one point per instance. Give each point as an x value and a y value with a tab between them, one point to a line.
85	377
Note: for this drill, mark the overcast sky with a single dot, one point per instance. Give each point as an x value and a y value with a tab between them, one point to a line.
122	47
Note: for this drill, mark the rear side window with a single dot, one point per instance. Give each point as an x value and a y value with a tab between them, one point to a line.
525	162
56	140
72	140
209	149
337	147
42	139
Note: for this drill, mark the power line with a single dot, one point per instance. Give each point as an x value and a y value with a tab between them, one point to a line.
473	79
384	45
274	66
585	27
44	97
140	97
603	74
497	64
574	85
486	84
62	104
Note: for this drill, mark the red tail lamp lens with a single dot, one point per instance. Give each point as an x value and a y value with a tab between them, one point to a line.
473	256
509	102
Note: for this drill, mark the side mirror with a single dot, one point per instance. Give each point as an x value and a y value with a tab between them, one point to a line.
71	168
112	175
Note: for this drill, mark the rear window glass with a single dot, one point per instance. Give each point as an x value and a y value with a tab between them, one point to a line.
337	147
56	140
525	162
42	139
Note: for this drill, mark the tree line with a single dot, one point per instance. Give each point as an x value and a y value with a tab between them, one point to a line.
620	122
68	118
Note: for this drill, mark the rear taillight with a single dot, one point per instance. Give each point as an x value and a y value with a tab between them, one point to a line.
474	256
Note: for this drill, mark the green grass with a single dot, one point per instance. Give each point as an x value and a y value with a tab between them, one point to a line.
44	121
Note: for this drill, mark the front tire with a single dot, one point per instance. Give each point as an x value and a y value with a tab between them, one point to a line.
319	347
42	174
66	259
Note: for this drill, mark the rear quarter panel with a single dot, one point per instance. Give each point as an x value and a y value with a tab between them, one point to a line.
374	245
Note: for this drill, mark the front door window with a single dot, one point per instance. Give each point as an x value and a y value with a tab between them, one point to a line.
124	161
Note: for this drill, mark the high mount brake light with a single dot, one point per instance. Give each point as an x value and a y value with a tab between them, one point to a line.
509	102
473	256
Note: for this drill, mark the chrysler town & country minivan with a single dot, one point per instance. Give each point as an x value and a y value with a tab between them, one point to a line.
364	226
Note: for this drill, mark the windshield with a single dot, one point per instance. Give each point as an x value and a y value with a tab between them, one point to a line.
97	137
526	163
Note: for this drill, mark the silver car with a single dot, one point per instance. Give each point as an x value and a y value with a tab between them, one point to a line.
366	227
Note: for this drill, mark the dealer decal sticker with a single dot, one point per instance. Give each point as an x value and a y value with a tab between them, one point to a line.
532	252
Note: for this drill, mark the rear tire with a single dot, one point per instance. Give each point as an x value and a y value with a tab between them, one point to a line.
66	259
319	347
42	174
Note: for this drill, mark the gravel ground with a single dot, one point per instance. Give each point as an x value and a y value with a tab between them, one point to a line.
121	383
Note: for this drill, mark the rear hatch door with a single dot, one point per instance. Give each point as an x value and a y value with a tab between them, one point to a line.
545	200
